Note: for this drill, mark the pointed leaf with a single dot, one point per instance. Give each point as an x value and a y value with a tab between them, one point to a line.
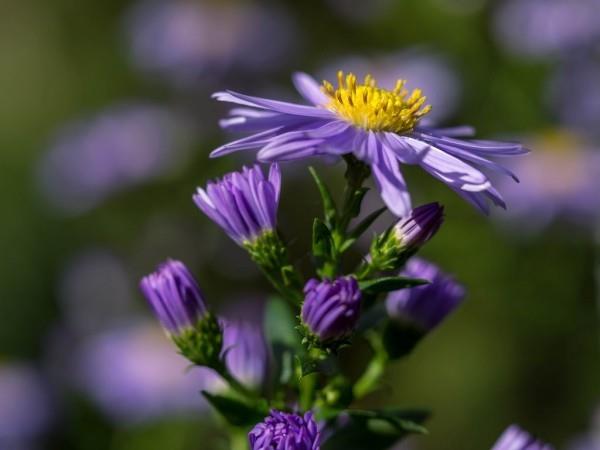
329	207
389	284
366	223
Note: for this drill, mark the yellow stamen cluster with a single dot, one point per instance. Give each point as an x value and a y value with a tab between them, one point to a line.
373	108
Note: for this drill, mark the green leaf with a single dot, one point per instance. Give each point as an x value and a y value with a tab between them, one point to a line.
389	284
376	429
329	207
235	411
366	223
323	248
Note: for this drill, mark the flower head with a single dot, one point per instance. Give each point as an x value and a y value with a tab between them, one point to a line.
243	203
419	227
425	306
285	431
331	308
245	353
514	438
174	296
179	305
382	128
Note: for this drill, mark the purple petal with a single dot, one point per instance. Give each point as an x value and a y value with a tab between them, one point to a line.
309	89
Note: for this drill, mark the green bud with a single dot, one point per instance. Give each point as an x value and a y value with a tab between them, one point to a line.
202	343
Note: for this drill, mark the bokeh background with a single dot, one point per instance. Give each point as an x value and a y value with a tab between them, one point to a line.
106	124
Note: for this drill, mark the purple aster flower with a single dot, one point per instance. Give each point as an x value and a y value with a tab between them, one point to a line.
175	297
514	438
243	203
419	227
547	27
121	147
569	195
133	375
380	127
331	308
246	354
285	431
425	306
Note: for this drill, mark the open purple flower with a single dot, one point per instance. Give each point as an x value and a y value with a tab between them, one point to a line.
174	296
285	431
331	308
514	438
380	127
243	203
425	306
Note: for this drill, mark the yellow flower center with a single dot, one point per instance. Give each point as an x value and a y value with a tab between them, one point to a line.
373	108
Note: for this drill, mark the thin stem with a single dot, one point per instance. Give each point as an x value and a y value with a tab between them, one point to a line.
234	383
370	378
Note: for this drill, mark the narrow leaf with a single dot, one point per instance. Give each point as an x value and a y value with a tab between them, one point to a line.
366	223
236	412
329	207
389	284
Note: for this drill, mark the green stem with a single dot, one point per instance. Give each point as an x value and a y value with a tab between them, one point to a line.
370	378
235	384
239	440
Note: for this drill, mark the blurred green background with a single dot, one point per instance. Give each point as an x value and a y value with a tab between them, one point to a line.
524	346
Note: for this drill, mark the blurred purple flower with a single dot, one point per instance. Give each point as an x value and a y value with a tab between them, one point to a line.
174	296
425	306
514	438
243	203
430	71
285	431
246	354
353	119
25	410
590	440
133	375
571	193
574	93
186	41
331	308
91	159
547	27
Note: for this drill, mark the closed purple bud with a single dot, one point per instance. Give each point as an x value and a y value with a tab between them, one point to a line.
331	308
246	354
243	203
285	431
419	227
514	438
427	305
174	296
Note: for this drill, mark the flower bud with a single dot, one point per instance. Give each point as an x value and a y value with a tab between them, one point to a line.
285	431
392	249
179	305
245	353
514	438
331	309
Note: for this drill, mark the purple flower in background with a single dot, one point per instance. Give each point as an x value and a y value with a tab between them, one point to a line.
574	93
185	42
514	438
133	375
119	148
25	410
419	226
591	439
380	127
243	203
285	431
331	308
175	297
547	27
246	354
425	306
570	194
